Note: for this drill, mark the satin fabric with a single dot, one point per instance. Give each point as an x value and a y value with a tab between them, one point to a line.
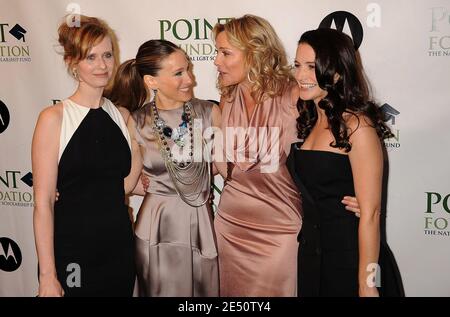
176	253
258	217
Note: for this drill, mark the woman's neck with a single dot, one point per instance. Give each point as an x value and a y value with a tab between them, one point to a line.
167	104
321	116
88	96
248	96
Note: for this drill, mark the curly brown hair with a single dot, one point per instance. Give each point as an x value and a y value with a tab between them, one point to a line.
335	53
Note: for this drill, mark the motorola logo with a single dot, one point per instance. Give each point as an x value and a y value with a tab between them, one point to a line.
10	255
345	22
4	117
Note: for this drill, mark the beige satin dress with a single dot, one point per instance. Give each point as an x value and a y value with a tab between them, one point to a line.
258	217
175	244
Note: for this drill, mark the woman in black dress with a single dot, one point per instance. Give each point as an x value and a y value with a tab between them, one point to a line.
341	155
81	146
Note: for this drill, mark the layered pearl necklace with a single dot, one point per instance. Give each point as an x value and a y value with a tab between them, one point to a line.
188	177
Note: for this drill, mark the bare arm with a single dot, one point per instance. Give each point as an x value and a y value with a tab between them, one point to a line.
136	159
367	167
140	189
44	155
216	118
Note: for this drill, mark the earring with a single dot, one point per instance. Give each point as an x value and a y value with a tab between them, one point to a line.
248	78
155	91
75	73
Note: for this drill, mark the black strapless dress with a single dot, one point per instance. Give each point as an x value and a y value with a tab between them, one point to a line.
328	251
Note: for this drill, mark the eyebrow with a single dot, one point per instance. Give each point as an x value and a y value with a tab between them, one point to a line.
92	53
296	61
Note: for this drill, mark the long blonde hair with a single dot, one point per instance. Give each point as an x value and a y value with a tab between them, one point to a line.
269	72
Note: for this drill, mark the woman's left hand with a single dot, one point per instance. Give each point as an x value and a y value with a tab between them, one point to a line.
351	204
145	180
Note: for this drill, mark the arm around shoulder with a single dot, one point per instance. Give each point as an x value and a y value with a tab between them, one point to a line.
136	158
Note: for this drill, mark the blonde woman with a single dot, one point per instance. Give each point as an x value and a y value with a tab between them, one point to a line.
259	214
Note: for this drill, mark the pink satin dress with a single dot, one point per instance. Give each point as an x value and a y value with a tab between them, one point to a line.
259	214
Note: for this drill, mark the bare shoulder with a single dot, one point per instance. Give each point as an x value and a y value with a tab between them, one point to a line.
212	108
125	113
361	130
356	121
48	128
51	115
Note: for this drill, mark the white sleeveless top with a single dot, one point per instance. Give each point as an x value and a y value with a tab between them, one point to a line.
73	115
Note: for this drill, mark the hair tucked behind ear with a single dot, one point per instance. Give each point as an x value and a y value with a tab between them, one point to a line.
335	53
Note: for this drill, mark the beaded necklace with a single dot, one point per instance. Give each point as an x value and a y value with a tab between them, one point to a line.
187	176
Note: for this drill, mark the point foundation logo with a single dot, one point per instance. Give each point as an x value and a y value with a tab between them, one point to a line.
16	189
439	38
390	116
192	35
437	214
13	47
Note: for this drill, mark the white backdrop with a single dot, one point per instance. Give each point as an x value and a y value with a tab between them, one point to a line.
405	50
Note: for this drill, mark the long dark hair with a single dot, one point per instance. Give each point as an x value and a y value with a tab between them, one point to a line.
335	53
129	90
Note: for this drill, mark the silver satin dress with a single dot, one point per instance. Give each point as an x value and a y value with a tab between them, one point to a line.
176	252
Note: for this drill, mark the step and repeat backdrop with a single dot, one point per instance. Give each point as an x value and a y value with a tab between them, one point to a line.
405	47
